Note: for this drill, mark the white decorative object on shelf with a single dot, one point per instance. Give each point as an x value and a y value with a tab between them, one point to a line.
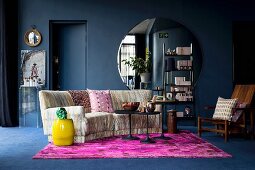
179	80
183	50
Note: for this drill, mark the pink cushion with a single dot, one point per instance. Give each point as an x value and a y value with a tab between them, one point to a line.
100	101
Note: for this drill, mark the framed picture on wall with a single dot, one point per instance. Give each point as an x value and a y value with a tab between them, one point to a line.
32	67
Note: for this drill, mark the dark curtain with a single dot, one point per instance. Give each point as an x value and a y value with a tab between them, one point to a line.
8	63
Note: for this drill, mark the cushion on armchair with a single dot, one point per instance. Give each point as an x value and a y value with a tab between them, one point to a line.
224	108
100	101
237	113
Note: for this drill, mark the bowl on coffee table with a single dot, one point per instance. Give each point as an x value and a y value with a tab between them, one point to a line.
131	106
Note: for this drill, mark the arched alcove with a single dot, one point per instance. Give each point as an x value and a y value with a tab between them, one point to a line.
147	38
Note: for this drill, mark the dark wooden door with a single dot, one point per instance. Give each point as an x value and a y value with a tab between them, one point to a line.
244	52
69	56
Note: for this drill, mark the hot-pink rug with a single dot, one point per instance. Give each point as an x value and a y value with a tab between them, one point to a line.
182	145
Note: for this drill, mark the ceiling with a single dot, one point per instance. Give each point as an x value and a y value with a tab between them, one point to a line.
140	28
156	23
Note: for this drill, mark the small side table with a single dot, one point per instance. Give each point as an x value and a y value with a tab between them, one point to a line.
129	112
148	139
163	103
171	121
29	110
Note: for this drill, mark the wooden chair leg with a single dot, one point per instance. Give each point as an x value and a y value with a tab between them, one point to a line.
226	130
252	125
199	126
217	127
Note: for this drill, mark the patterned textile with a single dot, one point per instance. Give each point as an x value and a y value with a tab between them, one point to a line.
99	122
49	99
137	131
99	135
81	98
224	108
100	101
120	96
181	145
73	112
236	115
121	121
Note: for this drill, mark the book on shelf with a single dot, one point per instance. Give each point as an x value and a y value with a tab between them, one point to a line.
184	64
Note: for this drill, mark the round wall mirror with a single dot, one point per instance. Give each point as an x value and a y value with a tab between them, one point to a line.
32	38
159	39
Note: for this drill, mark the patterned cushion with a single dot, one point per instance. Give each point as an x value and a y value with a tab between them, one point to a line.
81	98
223	108
236	115
100	101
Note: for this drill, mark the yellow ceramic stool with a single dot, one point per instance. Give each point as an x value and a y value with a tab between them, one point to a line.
63	132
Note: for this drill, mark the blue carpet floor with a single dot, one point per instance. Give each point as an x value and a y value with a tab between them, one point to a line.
18	145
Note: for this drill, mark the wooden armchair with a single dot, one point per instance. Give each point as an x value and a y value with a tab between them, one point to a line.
244	94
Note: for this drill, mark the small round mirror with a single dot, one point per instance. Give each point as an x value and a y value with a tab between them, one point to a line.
32	38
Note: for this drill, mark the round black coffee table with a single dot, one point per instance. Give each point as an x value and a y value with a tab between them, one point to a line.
129	112
148	139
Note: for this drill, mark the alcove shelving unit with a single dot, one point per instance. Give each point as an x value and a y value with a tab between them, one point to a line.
178	83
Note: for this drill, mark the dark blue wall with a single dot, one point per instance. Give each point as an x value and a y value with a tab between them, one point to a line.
108	21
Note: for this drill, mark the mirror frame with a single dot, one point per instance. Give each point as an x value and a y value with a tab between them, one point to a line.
36	33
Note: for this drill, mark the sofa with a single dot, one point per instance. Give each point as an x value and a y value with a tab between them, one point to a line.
90	124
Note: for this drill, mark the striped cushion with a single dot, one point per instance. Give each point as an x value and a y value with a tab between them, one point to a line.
49	99
224	108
